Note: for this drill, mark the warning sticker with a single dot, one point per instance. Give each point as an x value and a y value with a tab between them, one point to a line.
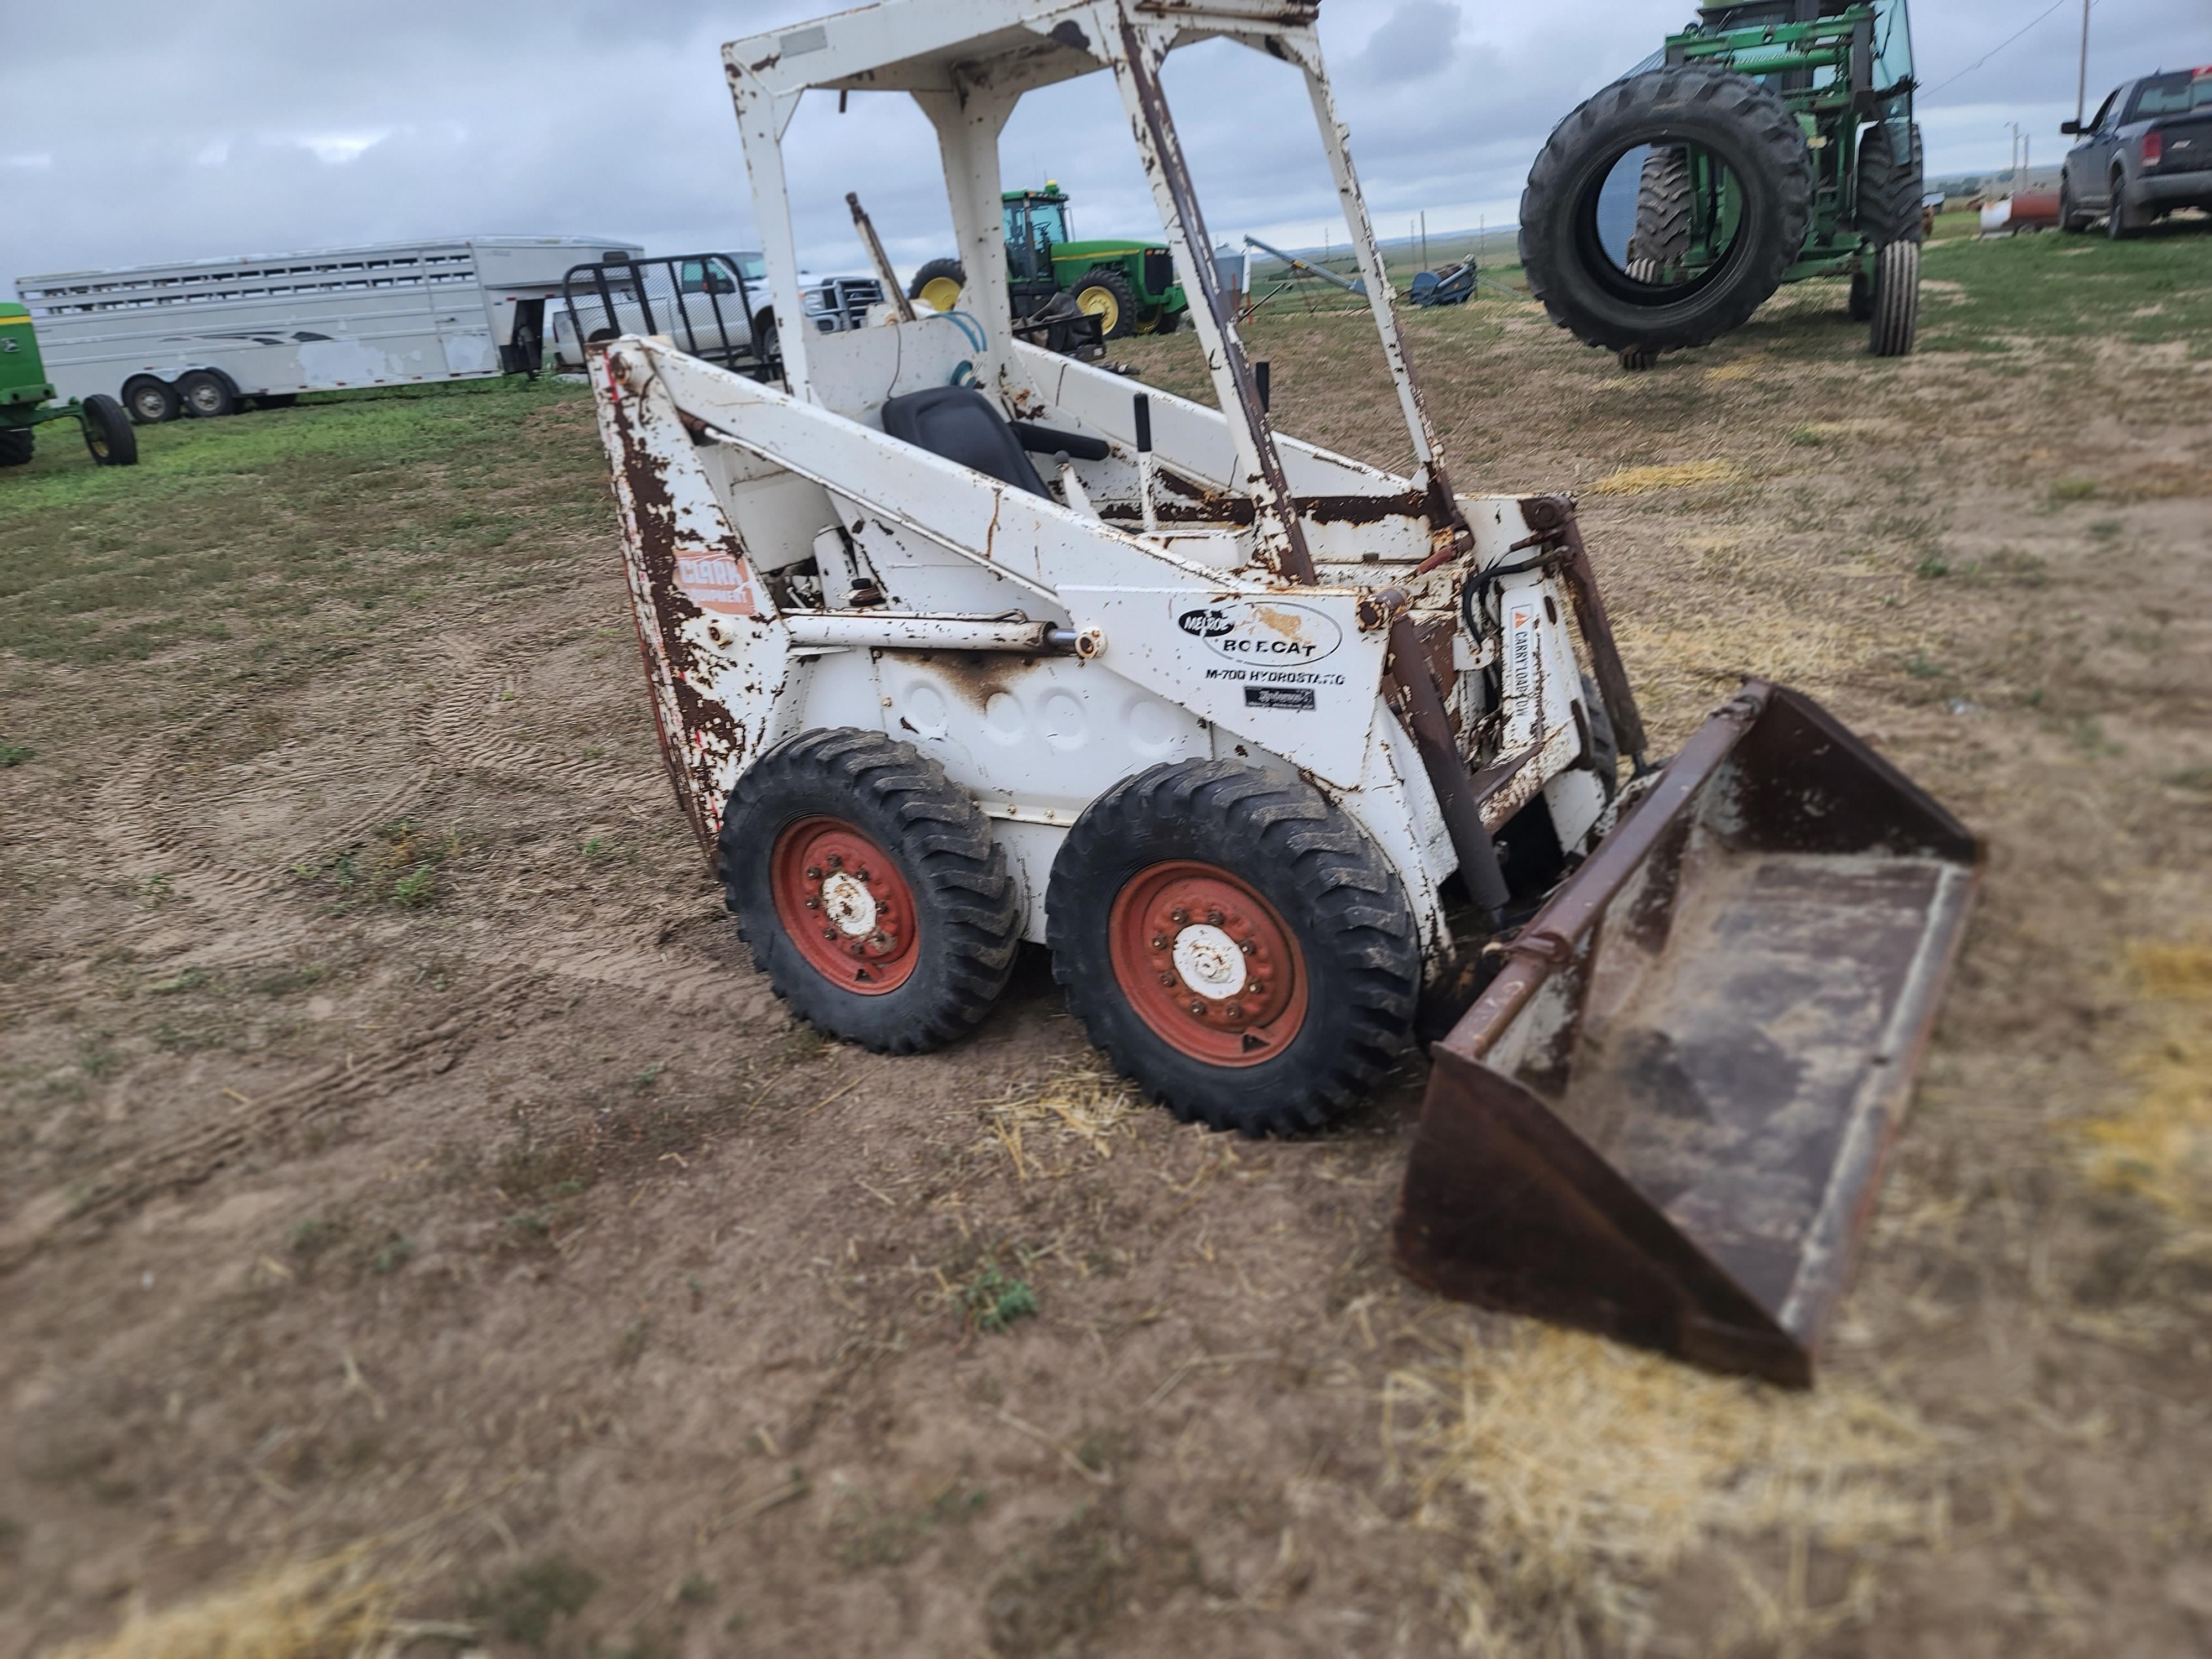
715	581
1277	696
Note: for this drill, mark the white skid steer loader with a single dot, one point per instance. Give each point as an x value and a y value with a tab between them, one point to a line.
955	643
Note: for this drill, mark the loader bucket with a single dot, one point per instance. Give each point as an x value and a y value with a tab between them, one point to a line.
1665	1118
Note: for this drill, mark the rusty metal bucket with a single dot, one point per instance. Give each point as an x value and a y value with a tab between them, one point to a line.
1664	1120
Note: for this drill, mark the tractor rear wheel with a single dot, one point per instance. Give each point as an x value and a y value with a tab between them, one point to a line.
1896	321
869	889
1745	129
1890	185
939	284
108	433
1236	944
17	446
1661	239
1104	293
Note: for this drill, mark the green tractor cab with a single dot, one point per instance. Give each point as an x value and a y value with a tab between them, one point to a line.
1767	143
27	400
1128	285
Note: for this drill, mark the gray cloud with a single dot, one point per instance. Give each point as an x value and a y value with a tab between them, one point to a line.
144	131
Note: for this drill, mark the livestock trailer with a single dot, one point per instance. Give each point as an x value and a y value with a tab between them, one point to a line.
202	337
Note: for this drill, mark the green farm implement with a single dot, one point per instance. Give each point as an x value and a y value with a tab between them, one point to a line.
1128	284
1767	143
27	400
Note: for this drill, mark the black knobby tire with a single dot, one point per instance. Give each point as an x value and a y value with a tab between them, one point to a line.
1896	320
1604	753
17	445
935	269
1327	882
1743	125
1860	303
1890	185
1125	299
967	916
150	401
108	433
1170	320
1662	212
206	395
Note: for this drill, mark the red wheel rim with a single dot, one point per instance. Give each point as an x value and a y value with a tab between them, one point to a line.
845	905
1207	963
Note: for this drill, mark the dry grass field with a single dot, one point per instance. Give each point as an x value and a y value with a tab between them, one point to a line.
421	1232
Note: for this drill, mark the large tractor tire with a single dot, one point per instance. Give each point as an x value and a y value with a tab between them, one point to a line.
17	446
1662	213
1235	942
1889	191
868	886
939	284
108	433
1104	293
1745	127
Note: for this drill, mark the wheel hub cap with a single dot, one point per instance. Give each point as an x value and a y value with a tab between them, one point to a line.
1209	962
846	902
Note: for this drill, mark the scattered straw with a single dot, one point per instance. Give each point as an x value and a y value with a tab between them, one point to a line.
325	1609
1643	480
1086	1102
1581	1472
2159	1146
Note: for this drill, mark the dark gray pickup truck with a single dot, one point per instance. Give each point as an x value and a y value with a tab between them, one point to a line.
2147	151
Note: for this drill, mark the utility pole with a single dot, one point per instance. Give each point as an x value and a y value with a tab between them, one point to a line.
2014	125
2081	83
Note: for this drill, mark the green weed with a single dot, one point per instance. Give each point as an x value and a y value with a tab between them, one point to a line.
991	1301
525	1605
15	754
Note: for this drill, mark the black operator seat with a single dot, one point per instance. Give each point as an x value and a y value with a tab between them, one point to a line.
963	425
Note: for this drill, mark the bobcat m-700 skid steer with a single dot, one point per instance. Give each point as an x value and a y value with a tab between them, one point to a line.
955	643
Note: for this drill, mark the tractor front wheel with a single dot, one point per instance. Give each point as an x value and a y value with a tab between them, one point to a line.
1104	293
17	446
1236	944
108	433
1896	321
869	889
1170	320
939	284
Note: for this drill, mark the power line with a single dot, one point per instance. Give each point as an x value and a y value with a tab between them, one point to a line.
2054	5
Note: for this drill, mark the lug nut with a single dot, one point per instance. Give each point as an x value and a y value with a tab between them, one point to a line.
1159	941
836	860
1247	947
1234	1011
1180	917
856	948
813	902
814	872
1167	979
1214	918
861	874
830	933
1198	1008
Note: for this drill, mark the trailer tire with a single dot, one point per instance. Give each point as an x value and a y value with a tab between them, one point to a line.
108	433
207	395
150	401
837	800
1292	884
18	444
1747	126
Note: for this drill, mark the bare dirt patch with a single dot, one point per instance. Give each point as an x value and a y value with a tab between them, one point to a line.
402	1156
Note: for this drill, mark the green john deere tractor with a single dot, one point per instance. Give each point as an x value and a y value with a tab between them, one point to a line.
1128	285
1768	143
28	400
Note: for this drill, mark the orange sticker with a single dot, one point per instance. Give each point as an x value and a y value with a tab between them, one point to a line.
716	581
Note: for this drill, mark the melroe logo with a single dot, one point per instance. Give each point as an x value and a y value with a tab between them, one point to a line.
1263	631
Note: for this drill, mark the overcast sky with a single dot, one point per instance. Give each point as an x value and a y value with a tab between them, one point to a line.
145	131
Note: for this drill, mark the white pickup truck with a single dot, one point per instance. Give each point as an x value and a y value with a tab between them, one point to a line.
714	305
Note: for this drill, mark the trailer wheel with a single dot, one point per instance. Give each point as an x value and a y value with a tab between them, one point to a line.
1236	944
17	446
108	433
150	401
869	889
206	395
